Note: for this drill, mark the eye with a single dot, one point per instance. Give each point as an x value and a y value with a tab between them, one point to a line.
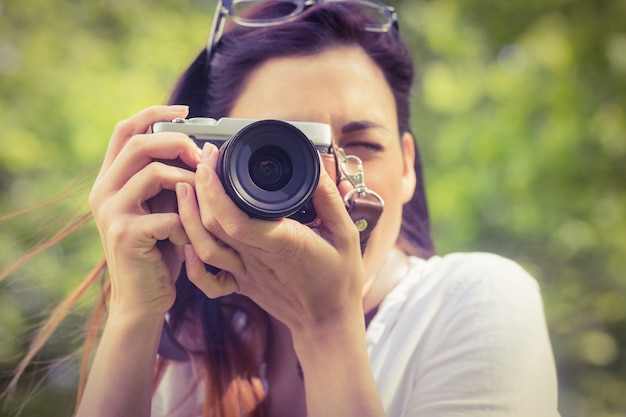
364	150
364	145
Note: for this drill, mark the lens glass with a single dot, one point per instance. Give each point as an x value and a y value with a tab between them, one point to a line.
270	168
281	11
379	16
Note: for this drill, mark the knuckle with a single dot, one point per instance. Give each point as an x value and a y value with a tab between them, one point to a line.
99	205
210	223
207	255
164	172
124	128
118	232
237	230
156	170
137	142
171	222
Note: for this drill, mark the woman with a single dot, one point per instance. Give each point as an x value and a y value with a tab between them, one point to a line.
280	331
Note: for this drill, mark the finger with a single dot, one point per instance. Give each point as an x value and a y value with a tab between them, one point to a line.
143	232
148	183
213	286
206	246
329	162
344	187
336	224
220	215
137	124
148	242
133	196
141	150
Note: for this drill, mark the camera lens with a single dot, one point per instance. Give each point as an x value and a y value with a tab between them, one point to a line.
270	168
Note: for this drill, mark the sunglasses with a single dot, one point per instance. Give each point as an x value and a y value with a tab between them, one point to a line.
380	16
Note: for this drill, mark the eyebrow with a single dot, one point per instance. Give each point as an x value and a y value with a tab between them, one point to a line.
360	125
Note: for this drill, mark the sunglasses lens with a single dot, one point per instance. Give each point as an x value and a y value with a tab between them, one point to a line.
280	11
379	16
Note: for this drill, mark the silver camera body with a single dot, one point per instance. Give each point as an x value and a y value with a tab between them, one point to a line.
269	168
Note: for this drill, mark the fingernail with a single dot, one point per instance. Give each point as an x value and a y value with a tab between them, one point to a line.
179	111
178	108
207	150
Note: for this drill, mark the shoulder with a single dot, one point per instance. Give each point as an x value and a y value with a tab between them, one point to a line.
476	277
461	329
478	303
477	267
454	297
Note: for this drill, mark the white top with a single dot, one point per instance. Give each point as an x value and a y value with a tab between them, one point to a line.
464	335
460	335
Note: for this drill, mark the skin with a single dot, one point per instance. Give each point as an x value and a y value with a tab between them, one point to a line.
312	282
328	88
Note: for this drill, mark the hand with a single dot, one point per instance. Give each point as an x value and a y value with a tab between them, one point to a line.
306	278
142	243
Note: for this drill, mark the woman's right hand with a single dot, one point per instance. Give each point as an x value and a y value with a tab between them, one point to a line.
142	243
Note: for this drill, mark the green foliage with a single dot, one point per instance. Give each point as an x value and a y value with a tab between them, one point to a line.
68	72
520	116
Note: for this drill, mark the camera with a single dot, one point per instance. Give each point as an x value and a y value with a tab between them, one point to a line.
269	168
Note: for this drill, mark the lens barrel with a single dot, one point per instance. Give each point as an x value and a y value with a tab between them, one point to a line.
270	169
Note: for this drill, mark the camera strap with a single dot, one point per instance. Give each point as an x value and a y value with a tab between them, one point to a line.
364	205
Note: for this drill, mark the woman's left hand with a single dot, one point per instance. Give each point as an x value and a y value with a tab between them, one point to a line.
306	278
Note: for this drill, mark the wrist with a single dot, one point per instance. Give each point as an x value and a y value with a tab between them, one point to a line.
128	316
129	303
335	365
121	378
343	331
133	332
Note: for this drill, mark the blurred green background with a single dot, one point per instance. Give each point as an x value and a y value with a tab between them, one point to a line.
520	115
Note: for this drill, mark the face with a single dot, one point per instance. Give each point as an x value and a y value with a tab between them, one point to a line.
344	88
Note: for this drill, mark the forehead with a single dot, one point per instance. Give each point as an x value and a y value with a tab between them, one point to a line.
339	82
